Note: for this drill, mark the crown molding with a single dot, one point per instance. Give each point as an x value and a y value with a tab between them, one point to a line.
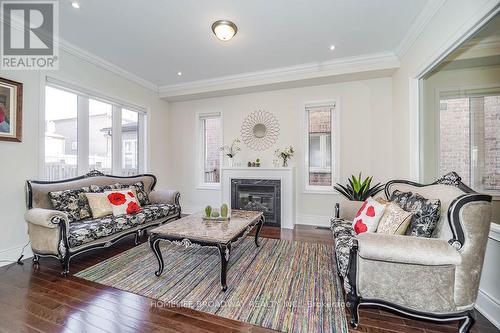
418	26
90	57
347	65
97	61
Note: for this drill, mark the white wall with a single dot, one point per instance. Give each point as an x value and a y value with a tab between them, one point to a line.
366	129
20	161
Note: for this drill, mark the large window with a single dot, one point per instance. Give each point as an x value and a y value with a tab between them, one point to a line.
469	137
130	142
85	132
320	146
100	136
210	127
61	143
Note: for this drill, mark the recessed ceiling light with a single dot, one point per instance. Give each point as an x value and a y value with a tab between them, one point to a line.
179	73
224	30
332	47
75	4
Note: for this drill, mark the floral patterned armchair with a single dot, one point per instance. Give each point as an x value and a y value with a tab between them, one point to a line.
434	278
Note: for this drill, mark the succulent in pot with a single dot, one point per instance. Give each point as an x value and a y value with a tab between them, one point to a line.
359	189
224	210
208	211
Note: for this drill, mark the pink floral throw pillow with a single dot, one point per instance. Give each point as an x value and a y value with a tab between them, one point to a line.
368	216
123	202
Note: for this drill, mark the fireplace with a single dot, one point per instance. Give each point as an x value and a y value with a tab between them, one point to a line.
258	194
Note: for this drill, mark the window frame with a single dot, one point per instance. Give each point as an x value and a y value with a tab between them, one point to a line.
464	91
200	149
334	141
83	135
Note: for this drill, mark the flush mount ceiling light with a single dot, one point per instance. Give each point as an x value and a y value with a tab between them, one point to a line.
332	47
75	4
224	30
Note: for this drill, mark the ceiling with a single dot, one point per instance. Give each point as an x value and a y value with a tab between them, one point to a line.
155	39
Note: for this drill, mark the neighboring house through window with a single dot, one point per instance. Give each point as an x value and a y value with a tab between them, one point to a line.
83	132
320	152
469	137
210	141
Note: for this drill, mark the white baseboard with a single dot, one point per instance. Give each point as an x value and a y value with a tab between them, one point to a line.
489	307
13	253
314	220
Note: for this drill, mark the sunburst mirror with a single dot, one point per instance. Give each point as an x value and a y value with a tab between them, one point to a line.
260	130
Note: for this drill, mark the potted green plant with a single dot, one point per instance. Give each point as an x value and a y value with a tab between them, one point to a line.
355	192
358	189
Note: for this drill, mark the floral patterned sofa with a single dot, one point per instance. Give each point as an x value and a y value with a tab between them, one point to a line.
56	232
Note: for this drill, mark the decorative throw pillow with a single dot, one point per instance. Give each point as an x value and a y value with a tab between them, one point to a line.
368	216
142	195
103	188
123	202
99	204
425	212
395	220
73	202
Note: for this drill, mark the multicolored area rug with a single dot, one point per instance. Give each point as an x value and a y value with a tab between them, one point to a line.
282	285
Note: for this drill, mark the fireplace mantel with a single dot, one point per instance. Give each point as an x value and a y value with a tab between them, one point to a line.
285	175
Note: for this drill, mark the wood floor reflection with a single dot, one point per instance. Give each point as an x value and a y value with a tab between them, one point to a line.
40	300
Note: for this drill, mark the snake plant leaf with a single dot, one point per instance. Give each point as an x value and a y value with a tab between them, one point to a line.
351	185
357	184
344	192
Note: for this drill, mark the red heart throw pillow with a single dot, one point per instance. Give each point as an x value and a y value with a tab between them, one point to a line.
368	216
362	208
360	227
370	211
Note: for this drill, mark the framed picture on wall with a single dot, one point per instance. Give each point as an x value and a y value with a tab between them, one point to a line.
11	105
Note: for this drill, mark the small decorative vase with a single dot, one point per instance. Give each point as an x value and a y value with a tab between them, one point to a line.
230	162
285	162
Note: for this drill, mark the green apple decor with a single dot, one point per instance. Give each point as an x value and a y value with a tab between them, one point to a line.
208	211
224	210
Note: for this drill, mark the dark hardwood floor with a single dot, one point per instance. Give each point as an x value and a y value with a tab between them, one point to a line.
40	300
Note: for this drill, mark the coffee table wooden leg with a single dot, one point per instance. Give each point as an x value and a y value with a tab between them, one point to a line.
155	246
257	232
225	252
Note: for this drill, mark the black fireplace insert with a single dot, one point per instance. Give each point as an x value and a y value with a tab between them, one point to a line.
262	195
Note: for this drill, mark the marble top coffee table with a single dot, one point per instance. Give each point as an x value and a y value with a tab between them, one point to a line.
192	231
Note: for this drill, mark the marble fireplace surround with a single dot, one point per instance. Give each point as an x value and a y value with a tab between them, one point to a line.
285	175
